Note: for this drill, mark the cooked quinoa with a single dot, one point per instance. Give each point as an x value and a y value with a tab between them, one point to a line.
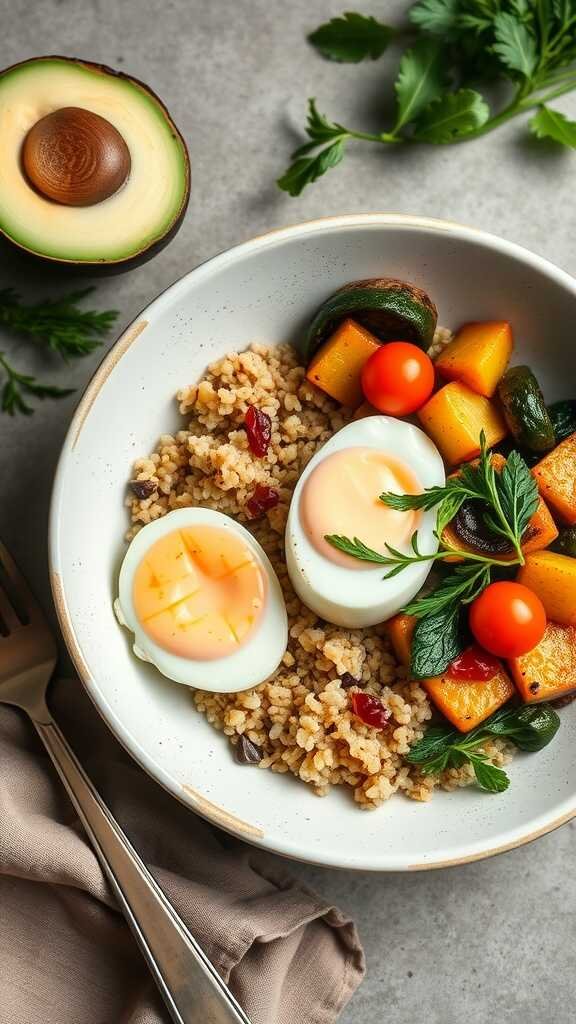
301	718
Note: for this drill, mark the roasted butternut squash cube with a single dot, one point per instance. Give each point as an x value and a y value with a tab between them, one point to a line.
552	577
337	366
549	669
455	417
478	355
463	702
539	533
466	703
400	630
556	477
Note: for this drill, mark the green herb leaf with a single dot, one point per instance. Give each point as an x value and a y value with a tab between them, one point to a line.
305	170
451	116
319	128
356	549
436	740
439	17
59	324
351	38
518	494
515	45
531	726
437	640
17	385
421	79
488	776
551	124
460	586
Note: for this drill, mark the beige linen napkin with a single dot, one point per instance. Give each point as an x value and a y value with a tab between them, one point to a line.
66	955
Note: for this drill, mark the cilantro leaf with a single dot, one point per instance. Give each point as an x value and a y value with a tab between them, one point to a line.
435	16
421	79
551	124
515	45
351	38
319	128
305	170
451	116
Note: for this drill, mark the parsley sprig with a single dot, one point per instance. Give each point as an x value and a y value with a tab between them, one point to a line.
529	43
529	727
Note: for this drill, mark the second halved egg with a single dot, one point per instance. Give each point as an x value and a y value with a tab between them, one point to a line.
338	493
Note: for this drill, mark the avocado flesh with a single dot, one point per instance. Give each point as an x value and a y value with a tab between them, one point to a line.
129	222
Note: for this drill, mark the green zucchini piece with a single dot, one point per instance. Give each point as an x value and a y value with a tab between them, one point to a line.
389	308
563	416
565	542
525	411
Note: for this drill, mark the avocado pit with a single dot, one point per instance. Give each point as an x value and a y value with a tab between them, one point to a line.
75	157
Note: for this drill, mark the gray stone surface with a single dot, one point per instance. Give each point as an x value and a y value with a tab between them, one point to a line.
488	941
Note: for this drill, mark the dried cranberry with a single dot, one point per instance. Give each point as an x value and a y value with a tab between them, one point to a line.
261	500
370	710
248	752
259	429
142	488
474	663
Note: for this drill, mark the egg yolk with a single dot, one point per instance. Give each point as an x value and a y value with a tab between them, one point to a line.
199	592
341	496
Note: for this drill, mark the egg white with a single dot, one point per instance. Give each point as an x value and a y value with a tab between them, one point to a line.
254	661
351	597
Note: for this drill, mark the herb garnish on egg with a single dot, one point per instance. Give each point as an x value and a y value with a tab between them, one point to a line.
509	500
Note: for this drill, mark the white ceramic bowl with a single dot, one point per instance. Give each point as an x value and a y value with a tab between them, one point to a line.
266	290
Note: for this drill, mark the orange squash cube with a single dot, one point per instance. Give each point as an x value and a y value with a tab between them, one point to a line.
337	366
552	577
455	417
466	703
556	477
547	671
478	355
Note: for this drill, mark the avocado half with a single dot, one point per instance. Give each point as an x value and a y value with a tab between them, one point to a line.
93	171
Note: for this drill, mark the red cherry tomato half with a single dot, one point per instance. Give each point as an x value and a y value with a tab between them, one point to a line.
507	619
398	378
474	663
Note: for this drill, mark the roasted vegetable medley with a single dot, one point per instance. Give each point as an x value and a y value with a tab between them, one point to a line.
494	633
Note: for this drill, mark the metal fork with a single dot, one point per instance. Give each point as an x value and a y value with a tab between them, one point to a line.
192	989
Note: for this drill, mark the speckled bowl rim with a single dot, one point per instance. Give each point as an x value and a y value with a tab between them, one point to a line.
539	825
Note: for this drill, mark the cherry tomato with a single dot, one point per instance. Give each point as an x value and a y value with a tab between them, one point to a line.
398	378
507	619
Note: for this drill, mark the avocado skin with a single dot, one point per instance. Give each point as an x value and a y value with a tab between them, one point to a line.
391	309
106	267
525	411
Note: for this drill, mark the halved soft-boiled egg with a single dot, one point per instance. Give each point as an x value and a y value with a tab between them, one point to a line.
203	601
338	493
